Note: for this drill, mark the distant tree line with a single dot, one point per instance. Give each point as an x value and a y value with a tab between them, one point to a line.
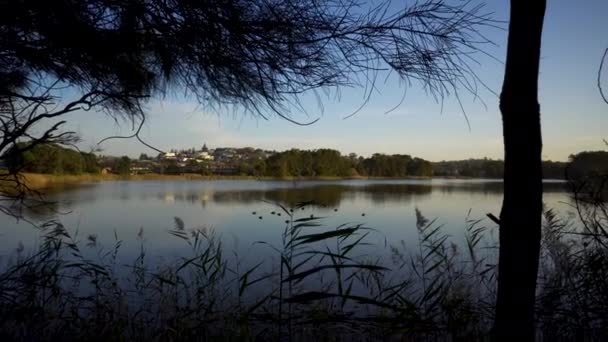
306	163
588	164
489	168
588	176
328	162
56	159
51	159
396	165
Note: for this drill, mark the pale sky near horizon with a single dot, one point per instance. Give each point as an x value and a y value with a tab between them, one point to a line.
574	118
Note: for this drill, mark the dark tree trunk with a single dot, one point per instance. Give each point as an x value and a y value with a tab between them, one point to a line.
520	218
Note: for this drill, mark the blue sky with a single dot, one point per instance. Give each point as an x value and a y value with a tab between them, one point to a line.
574	117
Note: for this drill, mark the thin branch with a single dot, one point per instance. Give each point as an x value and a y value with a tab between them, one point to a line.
134	135
599	77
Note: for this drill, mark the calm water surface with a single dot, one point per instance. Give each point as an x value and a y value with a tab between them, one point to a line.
121	209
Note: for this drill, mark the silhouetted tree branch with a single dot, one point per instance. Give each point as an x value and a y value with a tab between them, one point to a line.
134	135
254	53
27	121
599	76
259	55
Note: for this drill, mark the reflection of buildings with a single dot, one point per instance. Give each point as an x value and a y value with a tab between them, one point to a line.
193	197
169	197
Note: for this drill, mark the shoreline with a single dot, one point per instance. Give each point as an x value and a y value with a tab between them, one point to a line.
37	181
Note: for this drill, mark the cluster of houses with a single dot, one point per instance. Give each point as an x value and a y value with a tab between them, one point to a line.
187	155
221	160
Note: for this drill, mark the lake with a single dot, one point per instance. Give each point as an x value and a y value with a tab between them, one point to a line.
244	212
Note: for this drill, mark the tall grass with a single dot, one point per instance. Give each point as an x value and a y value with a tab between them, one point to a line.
328	284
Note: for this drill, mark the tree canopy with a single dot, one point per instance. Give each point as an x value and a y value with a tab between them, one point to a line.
243	51
588	164
52	159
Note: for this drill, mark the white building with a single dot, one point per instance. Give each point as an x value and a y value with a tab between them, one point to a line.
205	155
169	155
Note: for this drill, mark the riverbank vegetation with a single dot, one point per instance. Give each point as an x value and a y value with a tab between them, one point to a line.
322	283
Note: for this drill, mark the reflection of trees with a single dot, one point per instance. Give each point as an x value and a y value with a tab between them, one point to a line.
333	194
34	210
321	195
402	193
491	188
324	195
46	205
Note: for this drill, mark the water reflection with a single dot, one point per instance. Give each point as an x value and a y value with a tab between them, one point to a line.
119	210
331	195
323	194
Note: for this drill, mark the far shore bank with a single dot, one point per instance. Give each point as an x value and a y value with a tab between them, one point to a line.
37	181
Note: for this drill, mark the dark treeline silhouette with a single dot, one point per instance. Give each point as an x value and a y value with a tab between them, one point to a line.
588	175
588	164
489	168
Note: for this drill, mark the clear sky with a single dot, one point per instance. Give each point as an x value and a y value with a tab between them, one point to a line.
574	117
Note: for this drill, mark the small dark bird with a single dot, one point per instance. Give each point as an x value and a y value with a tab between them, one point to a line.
312	216
278	214
363	214
253	213
272	213
336	209
287	221
260	217
302	208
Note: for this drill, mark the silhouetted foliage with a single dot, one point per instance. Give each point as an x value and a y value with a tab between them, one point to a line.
51	159
588	164
588	175
321	281
256	54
